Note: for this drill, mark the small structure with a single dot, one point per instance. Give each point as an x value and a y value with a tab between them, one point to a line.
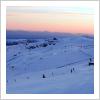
91	63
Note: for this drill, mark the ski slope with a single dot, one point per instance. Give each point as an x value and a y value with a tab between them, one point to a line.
63	61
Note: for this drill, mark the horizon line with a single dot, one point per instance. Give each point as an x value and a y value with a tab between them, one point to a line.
50	32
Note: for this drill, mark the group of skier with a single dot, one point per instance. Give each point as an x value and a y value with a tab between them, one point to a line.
71	71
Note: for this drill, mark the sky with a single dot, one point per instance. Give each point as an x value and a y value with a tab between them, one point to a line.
51	18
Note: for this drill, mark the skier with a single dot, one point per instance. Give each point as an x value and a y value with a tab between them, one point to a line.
90	59
44	76
71	70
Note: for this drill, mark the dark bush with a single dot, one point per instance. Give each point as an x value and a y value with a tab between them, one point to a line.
15	54
44	45
12	67
53	43
31	41
41	58
11	43
54	38
37	46
31	47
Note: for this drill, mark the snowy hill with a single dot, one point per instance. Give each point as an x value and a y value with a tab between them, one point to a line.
50	66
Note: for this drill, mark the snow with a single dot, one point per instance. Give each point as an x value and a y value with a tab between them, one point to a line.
26	66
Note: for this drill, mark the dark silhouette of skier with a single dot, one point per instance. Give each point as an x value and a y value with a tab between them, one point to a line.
90	62
71	71
44	76
90	59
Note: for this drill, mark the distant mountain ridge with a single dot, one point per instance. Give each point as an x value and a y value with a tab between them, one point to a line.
19	34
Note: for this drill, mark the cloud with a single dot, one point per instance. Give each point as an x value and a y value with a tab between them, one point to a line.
50	9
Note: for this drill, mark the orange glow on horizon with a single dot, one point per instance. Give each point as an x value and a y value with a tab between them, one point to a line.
52	22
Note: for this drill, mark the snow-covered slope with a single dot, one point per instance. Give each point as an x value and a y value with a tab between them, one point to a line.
63	62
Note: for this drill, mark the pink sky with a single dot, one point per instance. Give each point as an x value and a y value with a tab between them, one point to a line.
51	21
